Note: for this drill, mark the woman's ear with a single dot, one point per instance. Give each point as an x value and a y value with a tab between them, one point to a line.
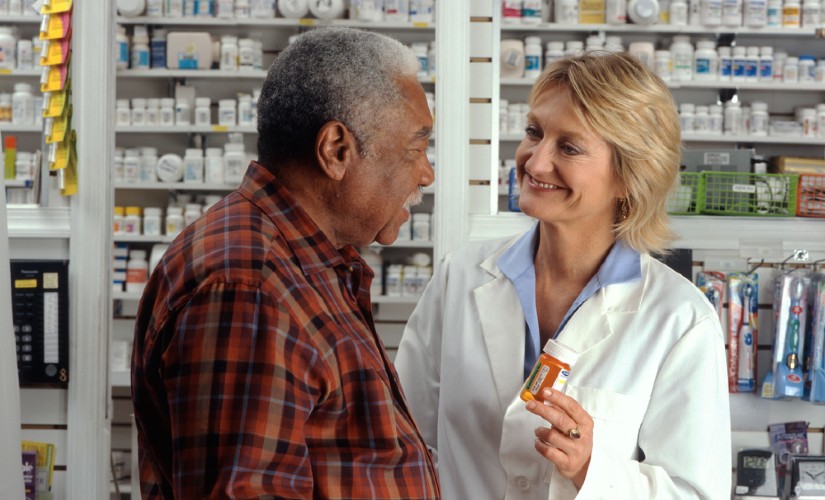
335	149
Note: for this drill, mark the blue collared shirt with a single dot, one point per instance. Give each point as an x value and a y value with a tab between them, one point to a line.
622	265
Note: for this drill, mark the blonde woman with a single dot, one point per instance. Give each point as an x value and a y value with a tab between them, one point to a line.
645	413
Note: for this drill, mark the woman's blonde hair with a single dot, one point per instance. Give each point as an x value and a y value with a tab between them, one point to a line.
634	112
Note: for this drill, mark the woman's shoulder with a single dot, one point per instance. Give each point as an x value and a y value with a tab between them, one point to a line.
482	253
672	289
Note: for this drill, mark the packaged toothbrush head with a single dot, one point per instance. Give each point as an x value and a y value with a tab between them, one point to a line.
712	285
815	380
743	328
789	339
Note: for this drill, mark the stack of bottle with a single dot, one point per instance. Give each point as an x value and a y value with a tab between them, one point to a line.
218	166
398	280
791	14
169	112
152	221
21	107
23	8
737	118
417	11
16	52
512	117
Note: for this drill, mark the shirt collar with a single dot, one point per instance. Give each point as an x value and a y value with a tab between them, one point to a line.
622	264
313	250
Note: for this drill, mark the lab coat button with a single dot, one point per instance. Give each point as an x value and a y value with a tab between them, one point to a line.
522	483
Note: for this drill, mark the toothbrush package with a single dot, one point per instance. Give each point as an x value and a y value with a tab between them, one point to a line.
743	331
815	383
712	285
791	311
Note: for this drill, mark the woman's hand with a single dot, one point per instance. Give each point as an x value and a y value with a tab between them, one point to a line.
569	442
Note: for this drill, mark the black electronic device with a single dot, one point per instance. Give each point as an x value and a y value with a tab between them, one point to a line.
753	470
40	317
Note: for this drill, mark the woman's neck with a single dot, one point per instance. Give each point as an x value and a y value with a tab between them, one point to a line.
571	256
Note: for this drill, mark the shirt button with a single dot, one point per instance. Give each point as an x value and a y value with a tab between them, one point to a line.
522	483
354	267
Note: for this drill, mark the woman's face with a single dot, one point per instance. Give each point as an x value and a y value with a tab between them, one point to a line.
565	170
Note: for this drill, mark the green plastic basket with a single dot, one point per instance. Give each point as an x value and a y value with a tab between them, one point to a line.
688	197
760	195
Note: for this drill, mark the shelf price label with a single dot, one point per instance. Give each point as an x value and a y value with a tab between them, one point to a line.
421	24
306	22
220	128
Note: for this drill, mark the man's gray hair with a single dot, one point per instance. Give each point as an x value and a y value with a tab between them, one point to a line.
330	74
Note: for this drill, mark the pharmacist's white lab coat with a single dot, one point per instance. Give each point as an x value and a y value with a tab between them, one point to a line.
651	373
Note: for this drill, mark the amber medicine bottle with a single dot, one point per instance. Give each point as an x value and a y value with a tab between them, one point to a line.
551	371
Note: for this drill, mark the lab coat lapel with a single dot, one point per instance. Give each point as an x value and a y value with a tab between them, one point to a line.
502	326
606	312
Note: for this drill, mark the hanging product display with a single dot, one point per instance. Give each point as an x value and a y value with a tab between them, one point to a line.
743	330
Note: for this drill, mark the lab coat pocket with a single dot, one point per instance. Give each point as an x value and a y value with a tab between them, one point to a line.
616	417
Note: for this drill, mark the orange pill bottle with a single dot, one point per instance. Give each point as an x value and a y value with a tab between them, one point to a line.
551	371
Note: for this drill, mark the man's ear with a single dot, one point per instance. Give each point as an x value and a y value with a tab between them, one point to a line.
335	149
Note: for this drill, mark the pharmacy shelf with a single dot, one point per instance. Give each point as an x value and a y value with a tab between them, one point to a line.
184	129
255	74
656	28
405	299
273	22
141	238
10	128
127	295
31	221
405	244
120	379
710	84
22	19
183	186
20	73
752	139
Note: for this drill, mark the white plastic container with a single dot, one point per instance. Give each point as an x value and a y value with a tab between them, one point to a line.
752	64
213	166
820	120
140	48
732	13
188	50
262	9
774	15
225	9
755	13
421	226
148	161
532	57
183	115
512	59
139	112
243	9
790	70
791	14
227	113
705	61
137	271
716	121
759	119
246	54
166	115
154	8
22	105
246	117
766	64
229	53
511	11
152	221
23	166
807	117
392	282
811	13
8	48
373	259
25	58
420	50
193	166
662	65
679	13
807	68
725	63
133	221
203	112
395	11
422	11
738	64
682	56
566	11
645	52
733	118
779	59
573	48
687	117
234	163
123	115
191	213
554	51
174	221
170	168
701	120
643	12
431	58
711	13
121	48
819	72
152	111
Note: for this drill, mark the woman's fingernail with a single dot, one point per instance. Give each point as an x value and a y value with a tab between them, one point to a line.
548	393
531	405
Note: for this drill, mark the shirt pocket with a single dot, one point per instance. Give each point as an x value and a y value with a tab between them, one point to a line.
617	419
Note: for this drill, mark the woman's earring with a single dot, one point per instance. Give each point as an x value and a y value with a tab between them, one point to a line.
624	209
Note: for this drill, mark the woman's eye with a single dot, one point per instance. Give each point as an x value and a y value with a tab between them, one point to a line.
569	150
531	131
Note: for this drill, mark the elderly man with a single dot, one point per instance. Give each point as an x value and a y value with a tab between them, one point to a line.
257	370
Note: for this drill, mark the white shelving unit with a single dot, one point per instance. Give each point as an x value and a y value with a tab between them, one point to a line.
738	138
274	22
